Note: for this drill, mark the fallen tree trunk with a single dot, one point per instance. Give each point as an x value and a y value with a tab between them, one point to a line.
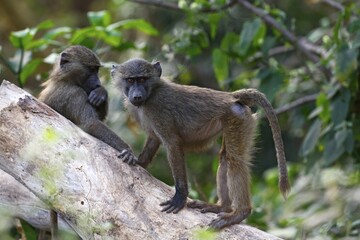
17	201
80	177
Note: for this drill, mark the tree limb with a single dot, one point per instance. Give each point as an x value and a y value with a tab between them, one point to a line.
173	6
286	33
306	48
158	3
82	179
334	4
296	103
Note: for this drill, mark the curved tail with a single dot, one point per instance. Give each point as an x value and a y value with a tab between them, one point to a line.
252	97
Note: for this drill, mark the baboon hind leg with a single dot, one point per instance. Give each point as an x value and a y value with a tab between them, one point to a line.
239	191
224	203
239	137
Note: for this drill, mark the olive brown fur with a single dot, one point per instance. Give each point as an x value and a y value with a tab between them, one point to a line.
185	118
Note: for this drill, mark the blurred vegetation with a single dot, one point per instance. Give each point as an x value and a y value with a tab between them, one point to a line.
304	55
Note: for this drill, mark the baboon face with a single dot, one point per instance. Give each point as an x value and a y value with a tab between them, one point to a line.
81	65
136	89
137	78
92	81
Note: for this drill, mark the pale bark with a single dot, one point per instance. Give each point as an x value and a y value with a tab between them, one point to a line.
17	201
82	178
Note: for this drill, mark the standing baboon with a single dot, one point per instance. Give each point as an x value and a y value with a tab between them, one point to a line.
74	90
188	118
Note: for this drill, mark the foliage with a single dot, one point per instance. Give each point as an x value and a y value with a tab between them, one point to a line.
318	74
37	39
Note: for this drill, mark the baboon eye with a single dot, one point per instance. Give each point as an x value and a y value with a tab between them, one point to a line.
142	80
130	80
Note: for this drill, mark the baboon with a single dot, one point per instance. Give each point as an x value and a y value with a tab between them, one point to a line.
74	90
186	118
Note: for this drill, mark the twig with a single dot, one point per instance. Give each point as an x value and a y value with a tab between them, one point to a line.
306	99
158	3
20	229
7	64
173	6
334	4
18	73
272	52
296	103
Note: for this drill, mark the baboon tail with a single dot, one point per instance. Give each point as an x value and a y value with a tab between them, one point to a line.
251	97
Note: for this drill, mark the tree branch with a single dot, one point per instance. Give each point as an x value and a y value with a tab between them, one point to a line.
301	44
334	4
296	103
158	3
82	179
286	33
173	6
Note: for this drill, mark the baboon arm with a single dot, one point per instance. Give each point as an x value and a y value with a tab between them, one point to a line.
151	146
99	130
177	163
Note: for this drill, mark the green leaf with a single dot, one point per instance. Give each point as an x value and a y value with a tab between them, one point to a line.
54	33
220	65
249	33
39	43
271	80
83	36
269	43
337	29
356	41
323	103
354	26
29	69
340	136
113	38
80	35
101	18
213	22
332	151
229	41
201	38
20	39
311	138
138	24
45	25
278	13
346	63
349	141
340	106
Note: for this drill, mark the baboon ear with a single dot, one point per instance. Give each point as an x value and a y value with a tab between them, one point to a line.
113	67
157	67
64	58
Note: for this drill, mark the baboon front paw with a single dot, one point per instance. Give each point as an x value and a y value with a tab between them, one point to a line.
97	97
128	157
